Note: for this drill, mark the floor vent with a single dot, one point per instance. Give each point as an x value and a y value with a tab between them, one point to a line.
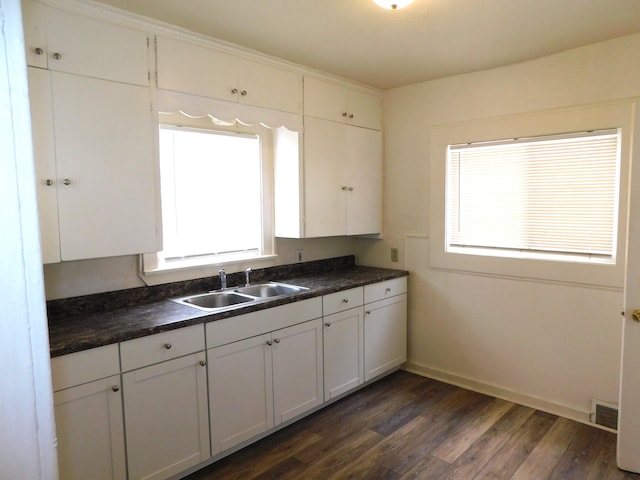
605	414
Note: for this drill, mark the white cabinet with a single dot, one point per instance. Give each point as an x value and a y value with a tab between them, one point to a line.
197	69
339	103
343	179
261	376
385	326
67	42
97	179
165	403
88	412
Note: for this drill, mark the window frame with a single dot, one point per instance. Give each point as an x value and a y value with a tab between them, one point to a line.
579	270
152	265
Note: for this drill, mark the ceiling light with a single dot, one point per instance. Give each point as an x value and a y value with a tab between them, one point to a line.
393	4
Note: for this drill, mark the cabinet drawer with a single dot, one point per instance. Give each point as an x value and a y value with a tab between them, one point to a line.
161	346
388	288
339	301
86	366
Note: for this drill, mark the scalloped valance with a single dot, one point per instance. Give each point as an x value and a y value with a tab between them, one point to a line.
195	106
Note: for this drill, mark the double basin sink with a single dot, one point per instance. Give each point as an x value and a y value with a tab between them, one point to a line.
223	299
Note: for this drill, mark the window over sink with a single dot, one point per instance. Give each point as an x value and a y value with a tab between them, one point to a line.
216	189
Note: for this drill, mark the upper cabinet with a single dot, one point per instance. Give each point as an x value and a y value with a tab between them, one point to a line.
71	43
190	68
342	104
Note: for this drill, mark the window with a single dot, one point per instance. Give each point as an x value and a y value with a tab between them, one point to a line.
216	195
554	197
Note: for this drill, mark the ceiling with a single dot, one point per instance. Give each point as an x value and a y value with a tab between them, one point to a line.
428	39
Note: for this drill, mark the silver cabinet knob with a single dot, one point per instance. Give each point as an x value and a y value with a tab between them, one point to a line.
66	181
345	188
368	312
38	51
234	90
203	363
167	346
351	115
269	342
243	93
351	189
116	388
388	290
344	114
48	182
328	324
345	300
57	56
277	340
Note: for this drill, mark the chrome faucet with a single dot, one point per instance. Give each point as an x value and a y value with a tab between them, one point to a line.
223	279
246	277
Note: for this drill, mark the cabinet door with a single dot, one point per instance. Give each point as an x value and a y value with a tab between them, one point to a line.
343	352
107	177
190	68
325	100
86	46
325	187
45	162
385	335
240	391
166	417
297	369
35	34
364	178
269	87
365	110
90	431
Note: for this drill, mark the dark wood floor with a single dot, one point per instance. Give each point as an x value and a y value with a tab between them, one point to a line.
409	427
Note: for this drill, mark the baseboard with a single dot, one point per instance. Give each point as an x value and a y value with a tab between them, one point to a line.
502	393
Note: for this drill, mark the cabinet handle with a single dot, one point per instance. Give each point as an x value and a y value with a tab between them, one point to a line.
388	290
351	189
344	114
328	324
38	51
57	56
345	188
351	115
116	388
277	340
48	182
167	346
269	342
66	181
234	90
345	300
243	93
368	312
203	363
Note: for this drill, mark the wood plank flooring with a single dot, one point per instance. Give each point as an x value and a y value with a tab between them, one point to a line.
409	427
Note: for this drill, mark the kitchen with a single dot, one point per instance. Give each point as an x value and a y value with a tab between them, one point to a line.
572	331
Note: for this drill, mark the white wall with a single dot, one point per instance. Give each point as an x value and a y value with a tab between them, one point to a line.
552	345
27	431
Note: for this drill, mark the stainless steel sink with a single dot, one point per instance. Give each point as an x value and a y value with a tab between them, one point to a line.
214	300
225	299
270	289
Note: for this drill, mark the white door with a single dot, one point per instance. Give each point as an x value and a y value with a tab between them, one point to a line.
90	431
240	391
166	417
297	369
629	417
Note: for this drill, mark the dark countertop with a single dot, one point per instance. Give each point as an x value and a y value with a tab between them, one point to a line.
72	332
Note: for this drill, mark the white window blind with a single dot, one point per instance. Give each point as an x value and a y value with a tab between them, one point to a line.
553	194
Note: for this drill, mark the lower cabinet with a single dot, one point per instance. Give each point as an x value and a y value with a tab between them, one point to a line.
343	352
90	431
166	417
263	381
